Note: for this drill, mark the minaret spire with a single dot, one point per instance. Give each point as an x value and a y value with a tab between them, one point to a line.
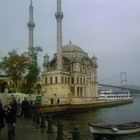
59	17
31	26
31	3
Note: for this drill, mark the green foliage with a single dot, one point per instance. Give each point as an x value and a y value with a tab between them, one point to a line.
31	77
33	74
21	69
14	66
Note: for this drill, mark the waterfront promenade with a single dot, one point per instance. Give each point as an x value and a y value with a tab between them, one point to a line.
26	129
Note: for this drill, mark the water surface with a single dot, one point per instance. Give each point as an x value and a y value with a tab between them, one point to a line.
112	115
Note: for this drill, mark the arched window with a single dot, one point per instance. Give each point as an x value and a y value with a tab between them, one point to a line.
68	80
62	79
77	80
56	80
50	80
80	80
46	81
72	80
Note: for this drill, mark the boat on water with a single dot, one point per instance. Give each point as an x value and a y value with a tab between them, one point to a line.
115	130
110	95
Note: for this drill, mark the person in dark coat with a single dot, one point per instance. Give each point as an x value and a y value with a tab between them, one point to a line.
58	101
24	108
14	112
10	117
1	119
9	120
18	107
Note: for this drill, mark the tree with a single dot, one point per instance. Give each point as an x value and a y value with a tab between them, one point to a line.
34	70
14	66
22	69
31	78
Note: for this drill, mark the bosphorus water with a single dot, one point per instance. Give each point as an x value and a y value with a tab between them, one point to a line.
111	115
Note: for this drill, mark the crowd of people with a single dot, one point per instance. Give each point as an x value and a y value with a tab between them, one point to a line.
10	112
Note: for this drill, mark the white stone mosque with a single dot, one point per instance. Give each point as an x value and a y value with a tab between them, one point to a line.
71	75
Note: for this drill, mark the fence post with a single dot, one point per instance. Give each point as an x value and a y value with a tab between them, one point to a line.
33	115
37	118
50	129
60	130
76	133
42	123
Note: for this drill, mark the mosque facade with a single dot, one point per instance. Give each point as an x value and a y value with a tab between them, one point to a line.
76	83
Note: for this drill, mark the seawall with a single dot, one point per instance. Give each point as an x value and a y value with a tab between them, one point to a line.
74	108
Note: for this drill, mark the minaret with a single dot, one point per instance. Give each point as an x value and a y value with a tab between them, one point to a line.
59	17
31	26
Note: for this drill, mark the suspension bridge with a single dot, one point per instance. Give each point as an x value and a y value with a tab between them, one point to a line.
118	82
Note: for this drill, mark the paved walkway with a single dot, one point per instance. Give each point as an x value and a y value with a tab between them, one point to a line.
28	130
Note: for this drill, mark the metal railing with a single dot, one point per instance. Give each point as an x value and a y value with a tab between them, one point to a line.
76	133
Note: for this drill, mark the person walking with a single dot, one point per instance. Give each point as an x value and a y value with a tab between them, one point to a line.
58	101
24	108
18	107
14	113
10	117
1	119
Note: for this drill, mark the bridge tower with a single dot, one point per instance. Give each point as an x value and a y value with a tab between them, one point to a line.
123	79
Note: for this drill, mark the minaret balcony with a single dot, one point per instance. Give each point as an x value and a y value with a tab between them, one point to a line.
59	15
31	24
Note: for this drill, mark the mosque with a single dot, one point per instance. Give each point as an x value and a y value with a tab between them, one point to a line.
71	75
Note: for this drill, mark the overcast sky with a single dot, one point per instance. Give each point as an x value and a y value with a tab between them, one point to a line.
108	29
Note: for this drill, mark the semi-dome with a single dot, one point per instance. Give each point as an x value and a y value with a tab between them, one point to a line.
71	48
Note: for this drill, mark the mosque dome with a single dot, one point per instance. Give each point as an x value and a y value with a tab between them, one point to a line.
71	48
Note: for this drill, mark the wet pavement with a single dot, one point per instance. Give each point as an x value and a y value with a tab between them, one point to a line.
26	129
